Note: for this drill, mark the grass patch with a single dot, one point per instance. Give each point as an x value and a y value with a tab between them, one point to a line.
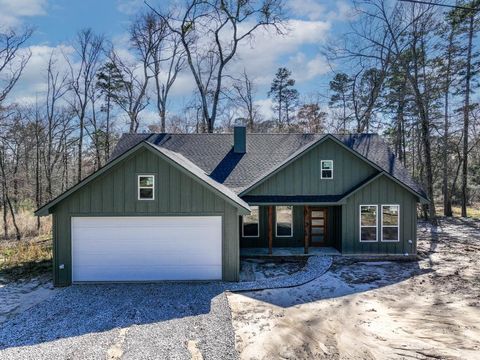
25	258
472	211
27	223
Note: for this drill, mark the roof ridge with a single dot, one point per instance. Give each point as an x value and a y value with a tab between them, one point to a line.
250	134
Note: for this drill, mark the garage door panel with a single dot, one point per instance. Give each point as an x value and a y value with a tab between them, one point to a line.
166	253
139	273
132	259
146	248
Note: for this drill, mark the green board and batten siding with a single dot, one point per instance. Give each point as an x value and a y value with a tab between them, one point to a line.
302	176
114	193
382	191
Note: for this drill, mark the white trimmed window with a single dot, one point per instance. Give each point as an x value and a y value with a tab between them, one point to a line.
250	223
146	187
326	169
368	223
284	221
390	223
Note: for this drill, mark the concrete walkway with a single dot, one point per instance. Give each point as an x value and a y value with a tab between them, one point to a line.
316	266
288	251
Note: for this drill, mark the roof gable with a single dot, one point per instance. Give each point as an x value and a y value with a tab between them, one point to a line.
348	171
310	147
183	165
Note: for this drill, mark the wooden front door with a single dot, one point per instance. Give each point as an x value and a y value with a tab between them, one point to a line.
318	226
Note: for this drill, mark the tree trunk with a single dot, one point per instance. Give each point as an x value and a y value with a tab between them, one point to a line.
37	168
4	211
447	203
7	199
80	151
466	117
107	130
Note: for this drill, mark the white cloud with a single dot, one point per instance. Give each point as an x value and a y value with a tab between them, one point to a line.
265	107
343	12
32	83
130	7
305	69
312	9
12	11
315	10
262	57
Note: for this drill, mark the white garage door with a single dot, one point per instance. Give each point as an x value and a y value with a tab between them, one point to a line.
146	248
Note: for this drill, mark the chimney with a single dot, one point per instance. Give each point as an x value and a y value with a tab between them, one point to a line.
239	139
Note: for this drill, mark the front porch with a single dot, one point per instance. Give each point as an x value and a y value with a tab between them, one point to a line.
291	230
288	251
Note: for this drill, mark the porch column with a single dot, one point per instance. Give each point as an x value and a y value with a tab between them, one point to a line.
270	229
306	227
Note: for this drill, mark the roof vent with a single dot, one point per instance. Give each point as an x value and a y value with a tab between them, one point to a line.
240	139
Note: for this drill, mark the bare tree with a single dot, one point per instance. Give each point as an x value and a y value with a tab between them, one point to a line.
311	118
244	98
223	25
163	54
88	50
13	59
387	33
131	96
470	16
57	118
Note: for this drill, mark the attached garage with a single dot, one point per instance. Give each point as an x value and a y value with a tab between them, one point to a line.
148	215
146	248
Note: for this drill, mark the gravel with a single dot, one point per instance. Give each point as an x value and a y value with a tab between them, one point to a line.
137	321
131	321
315	267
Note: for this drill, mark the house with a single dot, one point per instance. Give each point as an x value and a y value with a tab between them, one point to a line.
181	206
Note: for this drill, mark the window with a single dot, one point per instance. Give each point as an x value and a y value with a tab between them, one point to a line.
146	187
390	223
284	221
368	223
250	223
326	171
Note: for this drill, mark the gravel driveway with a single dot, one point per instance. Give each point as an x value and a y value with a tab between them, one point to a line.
128	321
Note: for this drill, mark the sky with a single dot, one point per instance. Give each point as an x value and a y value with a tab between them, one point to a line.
311	25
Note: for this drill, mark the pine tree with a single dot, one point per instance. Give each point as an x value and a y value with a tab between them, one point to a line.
110	83
284	96
341	86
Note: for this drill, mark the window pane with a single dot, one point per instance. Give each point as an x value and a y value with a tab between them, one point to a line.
390	233
317	230
250	229
390	215
327	174
146	193
328	164
368	216
318	222
146	181
284	220
250	222
369	233
318	214
253	217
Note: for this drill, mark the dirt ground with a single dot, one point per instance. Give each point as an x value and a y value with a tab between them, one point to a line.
19	296
427	309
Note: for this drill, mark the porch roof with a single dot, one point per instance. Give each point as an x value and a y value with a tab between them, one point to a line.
293	199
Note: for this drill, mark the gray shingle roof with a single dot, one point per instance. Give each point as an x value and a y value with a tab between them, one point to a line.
213	153
200	174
